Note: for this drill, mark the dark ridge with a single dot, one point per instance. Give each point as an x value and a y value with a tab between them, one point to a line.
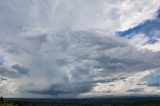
110	101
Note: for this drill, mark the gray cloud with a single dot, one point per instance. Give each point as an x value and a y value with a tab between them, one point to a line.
135	90
3	78
61	89
108	80
21	69
16	71
10	47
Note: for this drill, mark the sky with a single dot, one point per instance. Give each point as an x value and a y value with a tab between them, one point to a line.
79	48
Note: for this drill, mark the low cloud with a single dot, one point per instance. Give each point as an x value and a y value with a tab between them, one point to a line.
135	90
62	89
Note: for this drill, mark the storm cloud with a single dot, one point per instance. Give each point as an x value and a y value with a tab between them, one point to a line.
62	89
70	48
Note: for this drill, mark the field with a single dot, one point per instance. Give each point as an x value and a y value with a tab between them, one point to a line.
127	101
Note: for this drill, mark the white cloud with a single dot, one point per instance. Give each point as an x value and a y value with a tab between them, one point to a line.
135	12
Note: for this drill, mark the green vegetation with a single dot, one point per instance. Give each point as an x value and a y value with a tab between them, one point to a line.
6	103
136	101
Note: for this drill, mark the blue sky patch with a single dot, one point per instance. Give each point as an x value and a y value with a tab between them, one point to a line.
152	79
150	28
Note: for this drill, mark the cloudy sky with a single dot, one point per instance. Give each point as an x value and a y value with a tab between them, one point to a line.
79	48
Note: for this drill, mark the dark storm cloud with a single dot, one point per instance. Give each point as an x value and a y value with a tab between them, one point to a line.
135	90
60	89
16	71
49	91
